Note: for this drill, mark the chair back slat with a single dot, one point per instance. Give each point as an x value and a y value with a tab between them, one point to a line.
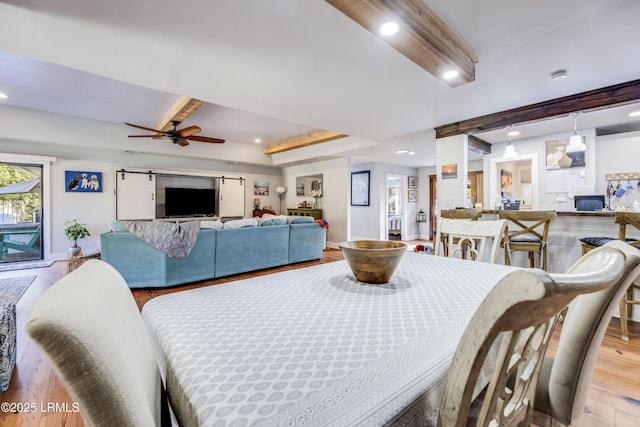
462	237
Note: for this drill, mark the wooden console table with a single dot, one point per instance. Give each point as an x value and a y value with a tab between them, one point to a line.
315	213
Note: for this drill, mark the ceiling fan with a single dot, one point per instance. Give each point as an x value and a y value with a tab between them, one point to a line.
177	136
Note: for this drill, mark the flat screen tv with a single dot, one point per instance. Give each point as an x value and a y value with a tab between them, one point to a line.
189	202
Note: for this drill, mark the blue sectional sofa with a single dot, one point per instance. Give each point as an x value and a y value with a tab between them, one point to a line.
216	253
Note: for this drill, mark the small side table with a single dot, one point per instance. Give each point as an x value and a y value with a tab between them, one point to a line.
76	261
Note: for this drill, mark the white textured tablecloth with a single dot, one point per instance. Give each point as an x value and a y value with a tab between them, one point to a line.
315	347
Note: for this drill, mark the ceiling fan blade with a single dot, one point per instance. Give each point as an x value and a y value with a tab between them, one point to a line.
145	128
205	139
182	142
144	136
189	131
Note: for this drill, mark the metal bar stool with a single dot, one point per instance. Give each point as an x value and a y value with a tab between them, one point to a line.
528	234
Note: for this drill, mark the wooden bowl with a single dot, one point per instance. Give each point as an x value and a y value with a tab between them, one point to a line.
373	261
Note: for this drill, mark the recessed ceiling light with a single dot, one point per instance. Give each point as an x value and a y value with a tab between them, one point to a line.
411	153
514	133
3	95
452	74
402	151
634	114
559	75
389	28
257	140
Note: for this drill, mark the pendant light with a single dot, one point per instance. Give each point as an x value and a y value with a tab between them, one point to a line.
576	143
510	150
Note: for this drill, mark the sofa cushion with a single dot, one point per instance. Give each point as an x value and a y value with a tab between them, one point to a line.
118	227
240	223
274	220
301	219
216	225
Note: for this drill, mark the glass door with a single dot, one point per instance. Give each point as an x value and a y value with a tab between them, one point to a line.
20	212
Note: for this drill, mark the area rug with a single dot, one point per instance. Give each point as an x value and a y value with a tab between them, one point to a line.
24	265
12	288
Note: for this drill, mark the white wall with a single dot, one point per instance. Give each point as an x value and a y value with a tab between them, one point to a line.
452	192
369	222
335	197
619	154
97	210
536	147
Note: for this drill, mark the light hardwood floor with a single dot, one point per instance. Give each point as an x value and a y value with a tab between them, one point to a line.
614	398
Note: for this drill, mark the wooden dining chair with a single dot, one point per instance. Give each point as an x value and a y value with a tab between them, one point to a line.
89	325
527	231
564	381
464	239
468	214
628	300
521	312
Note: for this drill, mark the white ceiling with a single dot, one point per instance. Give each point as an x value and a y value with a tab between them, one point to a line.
283	68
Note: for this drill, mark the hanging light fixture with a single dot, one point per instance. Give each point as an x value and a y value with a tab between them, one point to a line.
576	142
510	150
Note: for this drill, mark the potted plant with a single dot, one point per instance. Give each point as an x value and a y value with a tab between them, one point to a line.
74	231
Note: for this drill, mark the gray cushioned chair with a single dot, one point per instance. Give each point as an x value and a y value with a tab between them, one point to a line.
564	382
89	325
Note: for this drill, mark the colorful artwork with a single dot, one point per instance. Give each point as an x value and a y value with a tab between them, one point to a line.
260	188
449	171
83	182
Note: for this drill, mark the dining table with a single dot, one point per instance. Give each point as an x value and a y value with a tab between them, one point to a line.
313	346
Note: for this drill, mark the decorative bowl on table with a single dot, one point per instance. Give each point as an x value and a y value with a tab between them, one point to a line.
373	261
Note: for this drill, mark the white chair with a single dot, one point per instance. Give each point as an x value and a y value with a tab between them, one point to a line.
469	238
520	311
564	381
89	325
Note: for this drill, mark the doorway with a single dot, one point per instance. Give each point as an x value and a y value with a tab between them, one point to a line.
20	212
395	206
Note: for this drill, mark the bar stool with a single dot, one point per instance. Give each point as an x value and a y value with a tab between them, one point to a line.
622	218
530	234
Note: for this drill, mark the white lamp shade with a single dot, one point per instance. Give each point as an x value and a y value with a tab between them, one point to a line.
510	152
281	190
576	144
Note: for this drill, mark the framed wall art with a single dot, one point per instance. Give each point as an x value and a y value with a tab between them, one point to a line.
450	171
83	182
360	188
260	188
413	196
413	182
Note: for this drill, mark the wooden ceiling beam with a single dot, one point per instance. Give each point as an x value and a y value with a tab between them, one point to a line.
592	100
478	145
179	111
422	37
303	141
